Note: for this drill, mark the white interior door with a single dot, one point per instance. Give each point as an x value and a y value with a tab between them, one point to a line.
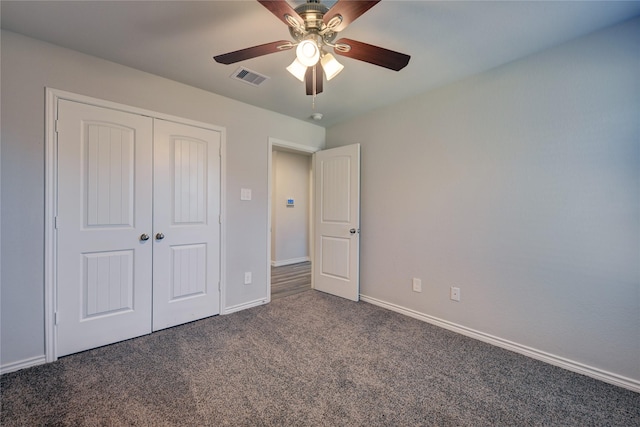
104	207
186	257
336	256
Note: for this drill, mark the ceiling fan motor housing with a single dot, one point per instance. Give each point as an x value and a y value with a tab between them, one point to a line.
312	13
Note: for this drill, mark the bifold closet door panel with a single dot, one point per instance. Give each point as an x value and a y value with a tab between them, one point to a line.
186	257
104	224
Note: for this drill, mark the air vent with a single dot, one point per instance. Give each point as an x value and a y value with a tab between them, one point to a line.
249	77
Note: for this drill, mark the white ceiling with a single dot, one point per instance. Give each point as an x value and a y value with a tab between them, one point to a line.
447	41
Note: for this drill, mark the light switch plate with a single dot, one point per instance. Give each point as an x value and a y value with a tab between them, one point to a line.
245	194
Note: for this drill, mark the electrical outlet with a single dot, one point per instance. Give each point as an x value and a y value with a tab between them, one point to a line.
247	278
417	285
455	294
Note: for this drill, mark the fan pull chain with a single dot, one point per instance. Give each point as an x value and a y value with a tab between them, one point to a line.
315	82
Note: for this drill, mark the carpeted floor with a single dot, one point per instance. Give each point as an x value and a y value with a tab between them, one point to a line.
309	359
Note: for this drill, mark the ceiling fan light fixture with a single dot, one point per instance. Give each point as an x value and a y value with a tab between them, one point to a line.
313	26
331	66
308	53
298	69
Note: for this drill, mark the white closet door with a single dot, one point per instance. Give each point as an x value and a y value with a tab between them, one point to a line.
186	257
104	212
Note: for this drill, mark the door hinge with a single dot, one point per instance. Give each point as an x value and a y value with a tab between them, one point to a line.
57	126
219	219
55	318
55	222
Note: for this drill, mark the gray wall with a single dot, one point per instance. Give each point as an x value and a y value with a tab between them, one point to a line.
290	225
28	66
521	186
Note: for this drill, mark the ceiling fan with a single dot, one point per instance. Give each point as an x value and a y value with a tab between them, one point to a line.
314	28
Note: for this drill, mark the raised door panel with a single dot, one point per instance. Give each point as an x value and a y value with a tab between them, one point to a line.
190	181
335	257
335	174
189	271
107	283
108	175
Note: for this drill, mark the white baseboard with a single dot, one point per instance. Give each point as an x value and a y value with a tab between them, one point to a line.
599	374
290	261
244	306
22	364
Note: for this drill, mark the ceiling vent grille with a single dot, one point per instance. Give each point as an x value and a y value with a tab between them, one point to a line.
250	77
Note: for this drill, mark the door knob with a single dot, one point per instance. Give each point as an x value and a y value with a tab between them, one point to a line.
352	231
144	237
159	236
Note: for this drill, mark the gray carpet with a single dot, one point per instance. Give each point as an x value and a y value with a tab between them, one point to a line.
309	360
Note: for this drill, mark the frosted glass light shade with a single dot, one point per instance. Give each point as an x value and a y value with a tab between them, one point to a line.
298	69
330	66
308	53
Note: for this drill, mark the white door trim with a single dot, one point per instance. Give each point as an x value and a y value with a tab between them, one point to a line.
296	148
51	191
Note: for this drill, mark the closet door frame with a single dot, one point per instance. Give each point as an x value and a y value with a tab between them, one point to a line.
52	96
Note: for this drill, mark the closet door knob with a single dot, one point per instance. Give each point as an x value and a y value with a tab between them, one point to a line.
159	236
144	237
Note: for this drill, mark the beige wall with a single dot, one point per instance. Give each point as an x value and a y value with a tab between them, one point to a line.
521	186
290	225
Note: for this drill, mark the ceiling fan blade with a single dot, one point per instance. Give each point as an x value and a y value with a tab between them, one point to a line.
373	54
349	10
281	9
309	80
253	52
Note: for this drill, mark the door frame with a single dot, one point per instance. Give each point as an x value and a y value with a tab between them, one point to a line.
52	96
292	147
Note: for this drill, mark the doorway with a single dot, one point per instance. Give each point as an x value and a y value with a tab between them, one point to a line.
290	218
